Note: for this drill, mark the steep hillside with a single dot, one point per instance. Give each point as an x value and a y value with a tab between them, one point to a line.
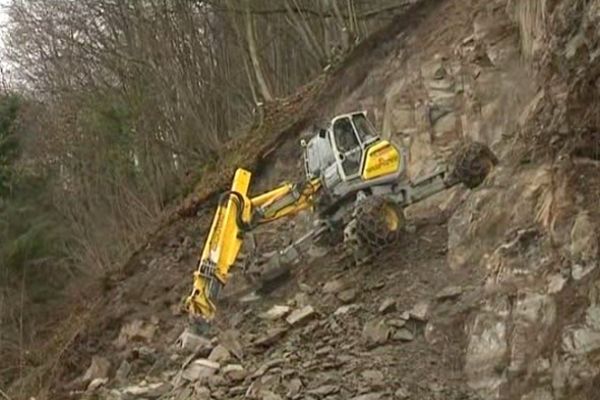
492	294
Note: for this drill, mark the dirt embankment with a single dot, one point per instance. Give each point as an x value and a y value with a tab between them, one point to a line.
493	294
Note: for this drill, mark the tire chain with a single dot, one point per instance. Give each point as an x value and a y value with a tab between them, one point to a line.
371	229
471	162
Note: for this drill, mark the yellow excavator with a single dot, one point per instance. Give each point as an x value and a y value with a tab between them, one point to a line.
355	184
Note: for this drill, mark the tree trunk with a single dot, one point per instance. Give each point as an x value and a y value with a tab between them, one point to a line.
262	83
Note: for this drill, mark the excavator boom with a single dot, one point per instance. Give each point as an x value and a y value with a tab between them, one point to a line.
235	215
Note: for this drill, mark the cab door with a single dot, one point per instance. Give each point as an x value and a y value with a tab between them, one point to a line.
348	149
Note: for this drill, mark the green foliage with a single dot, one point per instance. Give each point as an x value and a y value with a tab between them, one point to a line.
106	123
29	234
9	145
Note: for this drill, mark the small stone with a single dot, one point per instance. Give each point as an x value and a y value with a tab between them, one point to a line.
376	332
405	315
230	339
404	335
578	272
216	381
219	355
193	343
343	310
268	395
293	387
396	323
450	292
347	296
420	312
200	369
334	287
306	288
136	330
237	390
324	390
556	283
435	387
201	393
401	394
250	298
373	378
368	396
151	391
377	285
98	369
323	351
123	372
235	372
96	383
301	299
387	305
299	316
272	336
266	366
276	312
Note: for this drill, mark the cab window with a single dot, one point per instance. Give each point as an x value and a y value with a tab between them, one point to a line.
364	128
345	139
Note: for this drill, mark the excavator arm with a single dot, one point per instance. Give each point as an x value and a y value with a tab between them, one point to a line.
237	214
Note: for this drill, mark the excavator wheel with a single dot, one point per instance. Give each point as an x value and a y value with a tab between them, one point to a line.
471	162
377	225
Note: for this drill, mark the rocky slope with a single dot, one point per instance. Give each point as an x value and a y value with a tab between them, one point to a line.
493	295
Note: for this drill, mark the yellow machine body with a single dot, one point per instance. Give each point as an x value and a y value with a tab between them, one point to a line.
381	159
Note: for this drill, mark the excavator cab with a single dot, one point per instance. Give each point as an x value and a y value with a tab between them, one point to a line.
349	153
